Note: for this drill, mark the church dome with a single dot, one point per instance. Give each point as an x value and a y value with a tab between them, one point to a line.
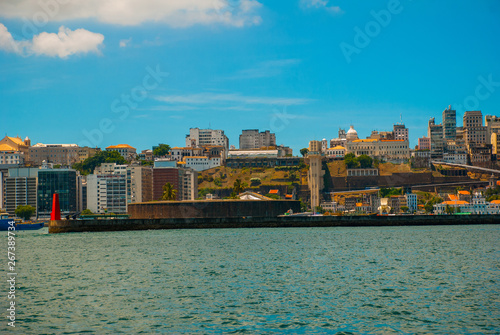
352	134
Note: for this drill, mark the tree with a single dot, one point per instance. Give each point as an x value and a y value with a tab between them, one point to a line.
304	151
238	186
25	212
365	161
86	212
161	150
169	192
87	166
405	209
351	161
449	209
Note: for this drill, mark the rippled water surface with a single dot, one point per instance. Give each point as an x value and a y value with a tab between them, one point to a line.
312	280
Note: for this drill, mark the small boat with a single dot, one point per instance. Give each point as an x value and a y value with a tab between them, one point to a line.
14	225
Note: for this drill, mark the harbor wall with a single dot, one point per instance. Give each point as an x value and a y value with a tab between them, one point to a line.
211	209
67	226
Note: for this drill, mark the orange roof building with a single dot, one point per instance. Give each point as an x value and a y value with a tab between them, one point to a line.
126	151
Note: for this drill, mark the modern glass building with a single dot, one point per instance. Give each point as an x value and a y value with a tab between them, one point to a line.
61	181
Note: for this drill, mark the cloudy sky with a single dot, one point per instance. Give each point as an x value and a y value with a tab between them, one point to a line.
102	72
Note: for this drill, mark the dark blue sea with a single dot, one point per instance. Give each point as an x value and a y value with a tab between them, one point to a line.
380	280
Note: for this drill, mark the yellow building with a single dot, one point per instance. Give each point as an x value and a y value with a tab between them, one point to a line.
17	144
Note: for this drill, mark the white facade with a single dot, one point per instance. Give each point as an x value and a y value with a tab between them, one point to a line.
455	158
253	154
201	163
107	194
11	157
390	150
178	153
204	137
336	152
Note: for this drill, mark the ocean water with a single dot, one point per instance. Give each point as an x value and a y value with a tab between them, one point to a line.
381	280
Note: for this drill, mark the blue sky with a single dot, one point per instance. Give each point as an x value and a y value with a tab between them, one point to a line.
144	72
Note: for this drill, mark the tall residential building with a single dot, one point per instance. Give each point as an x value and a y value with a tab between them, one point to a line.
435	133
61	181
400	132
449	124
126	151
205	137
21	188
315	173
184	180
252	139
107	193
63	154
492	124
474	131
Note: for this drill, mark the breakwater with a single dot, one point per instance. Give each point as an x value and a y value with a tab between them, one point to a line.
69	226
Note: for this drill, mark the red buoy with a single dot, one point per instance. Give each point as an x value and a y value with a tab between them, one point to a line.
56	209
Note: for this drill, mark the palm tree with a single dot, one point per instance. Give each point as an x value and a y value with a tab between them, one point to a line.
238	186
169	192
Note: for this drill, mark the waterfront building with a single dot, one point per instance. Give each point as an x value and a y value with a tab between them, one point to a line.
474	131
449	124
184	180
107	193
396	151
315	173
435	134
396	202
62	182
17	144
411	202
336	152
20	188
424	143
206	137
252	139
126	151
61	154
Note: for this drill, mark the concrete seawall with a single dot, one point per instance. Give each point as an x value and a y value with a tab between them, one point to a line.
71	226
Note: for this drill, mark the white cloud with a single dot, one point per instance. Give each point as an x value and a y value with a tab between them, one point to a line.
321	4
224	98
65	43
175	13
125	43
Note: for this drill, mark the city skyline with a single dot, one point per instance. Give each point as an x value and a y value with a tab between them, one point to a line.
300	69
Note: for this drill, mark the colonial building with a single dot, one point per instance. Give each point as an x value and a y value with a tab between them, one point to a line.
62	154
336	152
388	150
17	144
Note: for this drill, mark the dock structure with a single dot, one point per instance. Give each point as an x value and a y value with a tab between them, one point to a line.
68	226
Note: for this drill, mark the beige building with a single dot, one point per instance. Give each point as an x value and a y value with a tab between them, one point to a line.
126	151
315	173
492	124
63	154
336	152
389	150
474	131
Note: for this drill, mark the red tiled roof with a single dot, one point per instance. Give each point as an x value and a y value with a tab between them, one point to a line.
273	191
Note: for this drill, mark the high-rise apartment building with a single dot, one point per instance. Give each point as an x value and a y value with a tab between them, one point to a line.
21	188
252	139
206	137
449	124
492	124
435	133
107	193
62	182
474	131
183	180
400	132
